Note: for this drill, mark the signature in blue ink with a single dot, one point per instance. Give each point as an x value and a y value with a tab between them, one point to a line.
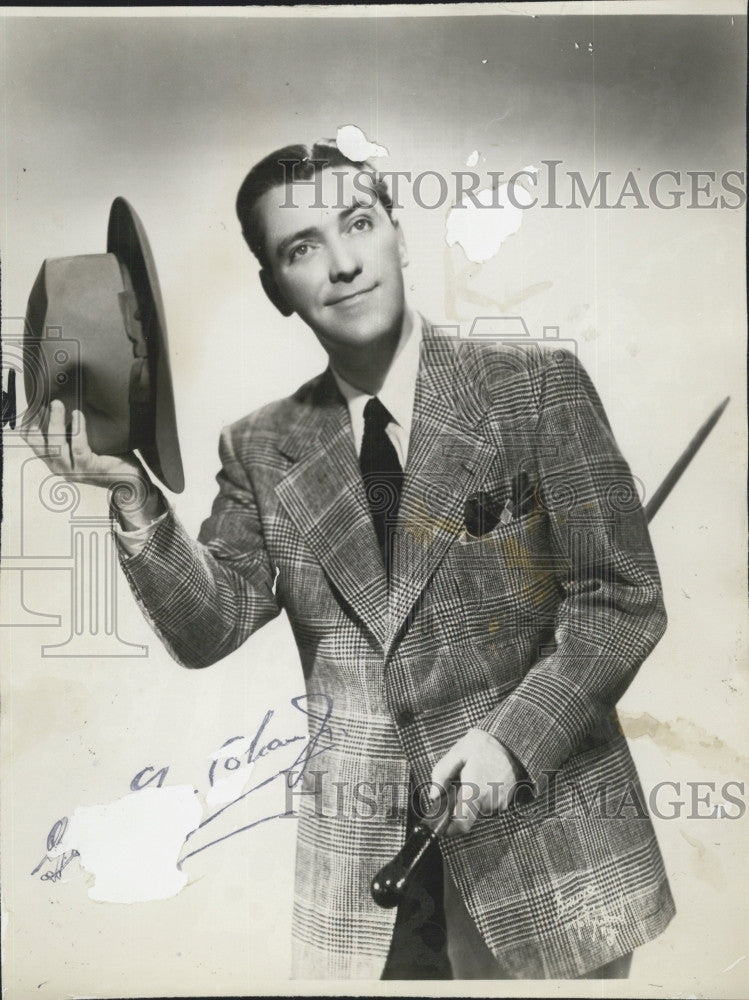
319	741
255	752
59	864
318	709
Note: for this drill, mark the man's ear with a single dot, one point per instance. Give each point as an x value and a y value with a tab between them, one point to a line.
274	293
402	251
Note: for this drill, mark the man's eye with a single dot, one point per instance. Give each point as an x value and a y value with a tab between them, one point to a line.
299	251
362	224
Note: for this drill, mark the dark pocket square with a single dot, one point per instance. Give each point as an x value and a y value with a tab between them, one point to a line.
481	514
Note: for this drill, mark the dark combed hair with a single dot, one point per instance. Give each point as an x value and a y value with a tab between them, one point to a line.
294	163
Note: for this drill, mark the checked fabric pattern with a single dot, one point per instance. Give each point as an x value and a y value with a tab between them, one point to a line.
532	631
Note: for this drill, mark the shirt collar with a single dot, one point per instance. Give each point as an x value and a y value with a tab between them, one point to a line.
399	388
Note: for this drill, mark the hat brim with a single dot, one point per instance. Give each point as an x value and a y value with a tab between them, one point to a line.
126	238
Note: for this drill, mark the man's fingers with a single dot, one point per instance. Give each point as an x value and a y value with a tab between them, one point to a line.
467	806
31	432
34	437
465	812
54	447
79	446
459	826
446	770
56	426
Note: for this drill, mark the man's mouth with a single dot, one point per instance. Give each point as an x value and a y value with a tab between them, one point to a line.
352	296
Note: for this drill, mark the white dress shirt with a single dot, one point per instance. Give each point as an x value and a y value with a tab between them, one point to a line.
396	395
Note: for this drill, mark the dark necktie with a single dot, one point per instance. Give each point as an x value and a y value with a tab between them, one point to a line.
382	475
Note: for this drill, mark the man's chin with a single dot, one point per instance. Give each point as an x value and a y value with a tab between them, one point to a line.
360	333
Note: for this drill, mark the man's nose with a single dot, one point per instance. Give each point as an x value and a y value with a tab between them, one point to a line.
343	262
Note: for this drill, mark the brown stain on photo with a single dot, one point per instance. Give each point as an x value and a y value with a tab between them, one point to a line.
683	736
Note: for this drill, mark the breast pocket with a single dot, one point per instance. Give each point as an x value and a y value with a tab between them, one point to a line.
507	578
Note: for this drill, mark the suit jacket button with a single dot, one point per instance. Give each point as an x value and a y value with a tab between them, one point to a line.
405	717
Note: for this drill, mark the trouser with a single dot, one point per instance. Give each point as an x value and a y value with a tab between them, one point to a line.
418	948
435	936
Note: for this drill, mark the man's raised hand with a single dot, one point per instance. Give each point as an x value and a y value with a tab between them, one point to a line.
69	455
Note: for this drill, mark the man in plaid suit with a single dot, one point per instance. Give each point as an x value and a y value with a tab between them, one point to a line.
472	614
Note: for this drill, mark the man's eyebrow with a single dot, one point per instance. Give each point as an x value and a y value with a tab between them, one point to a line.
310	231
355	205
301	234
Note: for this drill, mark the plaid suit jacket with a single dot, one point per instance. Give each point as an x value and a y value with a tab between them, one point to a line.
531	632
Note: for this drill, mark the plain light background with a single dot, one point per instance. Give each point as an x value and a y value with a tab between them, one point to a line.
171	112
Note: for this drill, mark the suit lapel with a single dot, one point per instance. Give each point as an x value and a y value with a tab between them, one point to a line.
324	495
447	456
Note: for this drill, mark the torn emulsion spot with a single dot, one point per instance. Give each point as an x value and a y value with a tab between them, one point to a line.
132	845
234	773
354	144
473	159
482	229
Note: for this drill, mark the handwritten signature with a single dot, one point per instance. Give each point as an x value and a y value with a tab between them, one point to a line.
319	741
318	709
59	864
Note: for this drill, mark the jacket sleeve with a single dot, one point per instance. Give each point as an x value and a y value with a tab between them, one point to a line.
611	612
205	598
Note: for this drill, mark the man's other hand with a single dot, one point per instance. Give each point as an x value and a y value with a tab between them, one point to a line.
487	775
67	453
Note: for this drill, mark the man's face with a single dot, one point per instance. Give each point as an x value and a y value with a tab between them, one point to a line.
338	267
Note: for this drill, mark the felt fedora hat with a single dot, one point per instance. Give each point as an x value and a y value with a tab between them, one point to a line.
96	339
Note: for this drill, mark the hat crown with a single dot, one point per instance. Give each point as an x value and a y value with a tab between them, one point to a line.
96	339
